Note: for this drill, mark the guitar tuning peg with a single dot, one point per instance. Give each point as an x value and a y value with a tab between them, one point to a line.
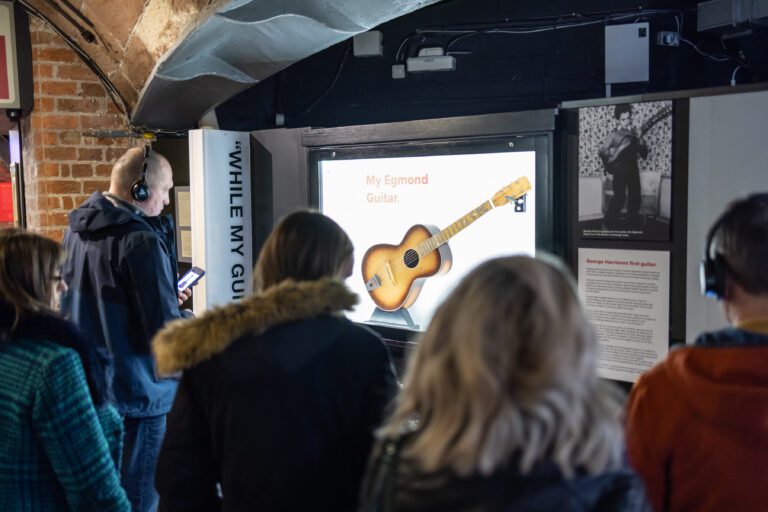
519	202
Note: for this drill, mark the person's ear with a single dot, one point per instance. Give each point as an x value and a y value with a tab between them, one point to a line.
728	288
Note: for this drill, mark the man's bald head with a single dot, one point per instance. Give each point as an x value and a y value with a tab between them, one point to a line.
127	170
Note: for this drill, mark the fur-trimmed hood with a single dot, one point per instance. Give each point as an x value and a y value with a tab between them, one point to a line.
184	343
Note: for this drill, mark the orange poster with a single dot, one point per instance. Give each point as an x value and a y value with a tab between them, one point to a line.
6	203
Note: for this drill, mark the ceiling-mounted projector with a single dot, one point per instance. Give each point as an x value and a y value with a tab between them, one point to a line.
431	59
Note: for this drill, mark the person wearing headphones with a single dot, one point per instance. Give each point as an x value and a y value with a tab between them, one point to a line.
697	423
122	290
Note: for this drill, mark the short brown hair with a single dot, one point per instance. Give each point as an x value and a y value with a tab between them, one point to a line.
304	246
741	239
28	264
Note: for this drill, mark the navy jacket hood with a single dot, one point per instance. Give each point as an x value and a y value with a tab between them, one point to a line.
98	213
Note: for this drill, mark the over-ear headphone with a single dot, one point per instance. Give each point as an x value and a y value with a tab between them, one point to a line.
712	268
140	189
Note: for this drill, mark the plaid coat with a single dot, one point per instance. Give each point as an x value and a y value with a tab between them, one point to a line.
56	451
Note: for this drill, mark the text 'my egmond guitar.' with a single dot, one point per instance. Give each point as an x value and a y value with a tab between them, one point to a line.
394	274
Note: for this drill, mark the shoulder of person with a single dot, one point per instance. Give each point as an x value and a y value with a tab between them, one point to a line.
725	336
46	351
50	362
142	239
358	333
622	491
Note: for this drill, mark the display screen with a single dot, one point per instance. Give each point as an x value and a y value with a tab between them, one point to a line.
190	278
443	203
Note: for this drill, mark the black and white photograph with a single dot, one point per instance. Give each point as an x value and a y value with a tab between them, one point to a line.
625	171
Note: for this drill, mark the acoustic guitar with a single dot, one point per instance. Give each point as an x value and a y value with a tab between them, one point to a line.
609	158
395	274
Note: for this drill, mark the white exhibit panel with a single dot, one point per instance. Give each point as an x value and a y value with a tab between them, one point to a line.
728	155
626	297
222	245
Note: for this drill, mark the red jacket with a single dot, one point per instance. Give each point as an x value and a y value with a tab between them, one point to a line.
697	426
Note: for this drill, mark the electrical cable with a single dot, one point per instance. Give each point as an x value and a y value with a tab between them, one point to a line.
534	25
78	13
330	87
707	55
88	22
399	49
733	75
86	34
114	93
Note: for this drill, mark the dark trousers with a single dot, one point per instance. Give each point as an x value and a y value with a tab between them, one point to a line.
623	182
143	437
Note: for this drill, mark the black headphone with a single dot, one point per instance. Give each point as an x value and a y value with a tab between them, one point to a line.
713	268
140	189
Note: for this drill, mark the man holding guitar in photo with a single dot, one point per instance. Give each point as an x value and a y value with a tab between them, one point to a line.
619	154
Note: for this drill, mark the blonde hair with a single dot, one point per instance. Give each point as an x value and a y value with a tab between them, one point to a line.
28	264
507	368
304	246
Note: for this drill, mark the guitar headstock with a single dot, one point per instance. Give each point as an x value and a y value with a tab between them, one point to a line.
514	190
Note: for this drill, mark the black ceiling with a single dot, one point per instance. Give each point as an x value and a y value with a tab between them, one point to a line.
494	72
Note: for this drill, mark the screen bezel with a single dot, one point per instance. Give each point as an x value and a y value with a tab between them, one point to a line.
541	144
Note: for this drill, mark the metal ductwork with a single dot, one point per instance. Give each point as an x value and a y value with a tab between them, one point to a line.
245	42
731	17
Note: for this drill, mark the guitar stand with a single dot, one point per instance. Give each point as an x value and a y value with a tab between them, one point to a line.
398	318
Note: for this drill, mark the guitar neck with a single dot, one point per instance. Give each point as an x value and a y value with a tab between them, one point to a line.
654	120
442	237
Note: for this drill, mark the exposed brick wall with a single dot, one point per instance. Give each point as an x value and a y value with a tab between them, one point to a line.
132	34
61	166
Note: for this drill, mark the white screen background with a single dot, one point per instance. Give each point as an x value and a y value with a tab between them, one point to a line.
456	185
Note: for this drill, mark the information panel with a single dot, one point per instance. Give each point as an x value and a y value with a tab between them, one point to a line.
626	295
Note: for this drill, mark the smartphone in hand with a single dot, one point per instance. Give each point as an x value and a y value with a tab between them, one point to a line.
191	277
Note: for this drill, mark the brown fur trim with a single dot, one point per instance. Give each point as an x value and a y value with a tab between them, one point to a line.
182	344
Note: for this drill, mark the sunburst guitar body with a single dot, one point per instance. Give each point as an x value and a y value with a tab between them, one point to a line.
395	274
404	270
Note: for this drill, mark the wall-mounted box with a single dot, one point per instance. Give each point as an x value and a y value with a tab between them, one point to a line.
626	53
367	44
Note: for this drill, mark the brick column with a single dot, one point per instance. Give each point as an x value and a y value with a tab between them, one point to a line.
61	166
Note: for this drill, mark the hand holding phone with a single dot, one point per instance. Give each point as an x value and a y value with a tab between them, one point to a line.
190	278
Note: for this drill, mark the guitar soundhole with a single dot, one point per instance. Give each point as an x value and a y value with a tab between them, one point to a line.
411	258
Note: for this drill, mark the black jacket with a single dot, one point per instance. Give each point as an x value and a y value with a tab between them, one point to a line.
277	405
394	485
121	292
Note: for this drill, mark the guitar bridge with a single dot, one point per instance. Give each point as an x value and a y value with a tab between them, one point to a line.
373	283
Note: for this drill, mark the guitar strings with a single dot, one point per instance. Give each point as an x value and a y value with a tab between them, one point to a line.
408	258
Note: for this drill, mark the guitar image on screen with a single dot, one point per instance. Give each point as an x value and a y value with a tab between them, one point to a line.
395	274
